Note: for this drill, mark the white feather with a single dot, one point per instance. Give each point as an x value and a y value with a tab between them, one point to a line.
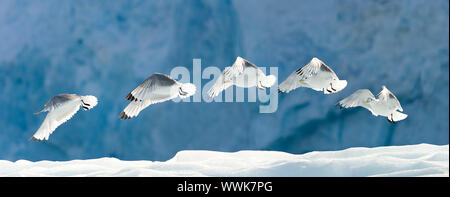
315	75
359	99
89	101
242	74
55	118
155	89
385	105
219	86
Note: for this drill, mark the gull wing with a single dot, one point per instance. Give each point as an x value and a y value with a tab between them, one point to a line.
59	113
237	68
148	89
136	106
155	89
357	99
390	99
296	78
220	85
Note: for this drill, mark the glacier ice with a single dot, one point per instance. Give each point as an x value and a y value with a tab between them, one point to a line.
107	49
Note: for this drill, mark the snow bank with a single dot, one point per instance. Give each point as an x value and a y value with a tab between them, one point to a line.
410	160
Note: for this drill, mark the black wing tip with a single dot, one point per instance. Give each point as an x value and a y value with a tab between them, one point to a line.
124	116
34	139
340	105
130	97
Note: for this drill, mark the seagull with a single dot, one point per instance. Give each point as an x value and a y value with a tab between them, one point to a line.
155	89
315	75
242	74
60	109
385	105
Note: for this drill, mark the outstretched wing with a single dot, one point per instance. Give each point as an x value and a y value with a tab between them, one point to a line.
390	99
154	87
220	85
313	68
291	83
135	107
296	78
229	74
237	68
57	115
358	99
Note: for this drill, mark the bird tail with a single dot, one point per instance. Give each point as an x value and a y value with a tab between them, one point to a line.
269	80
336	86
88	102
187	90
397	116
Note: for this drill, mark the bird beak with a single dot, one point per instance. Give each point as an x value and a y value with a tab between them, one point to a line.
367	101
45	105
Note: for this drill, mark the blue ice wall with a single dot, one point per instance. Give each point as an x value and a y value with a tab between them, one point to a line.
106	48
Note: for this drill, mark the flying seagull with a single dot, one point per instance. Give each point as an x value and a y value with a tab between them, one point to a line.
242	74
315	75
155	89
60	109
385	105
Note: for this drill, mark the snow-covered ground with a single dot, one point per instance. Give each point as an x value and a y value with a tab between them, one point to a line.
409	160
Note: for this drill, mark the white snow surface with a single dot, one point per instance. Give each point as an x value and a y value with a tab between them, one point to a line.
408	160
